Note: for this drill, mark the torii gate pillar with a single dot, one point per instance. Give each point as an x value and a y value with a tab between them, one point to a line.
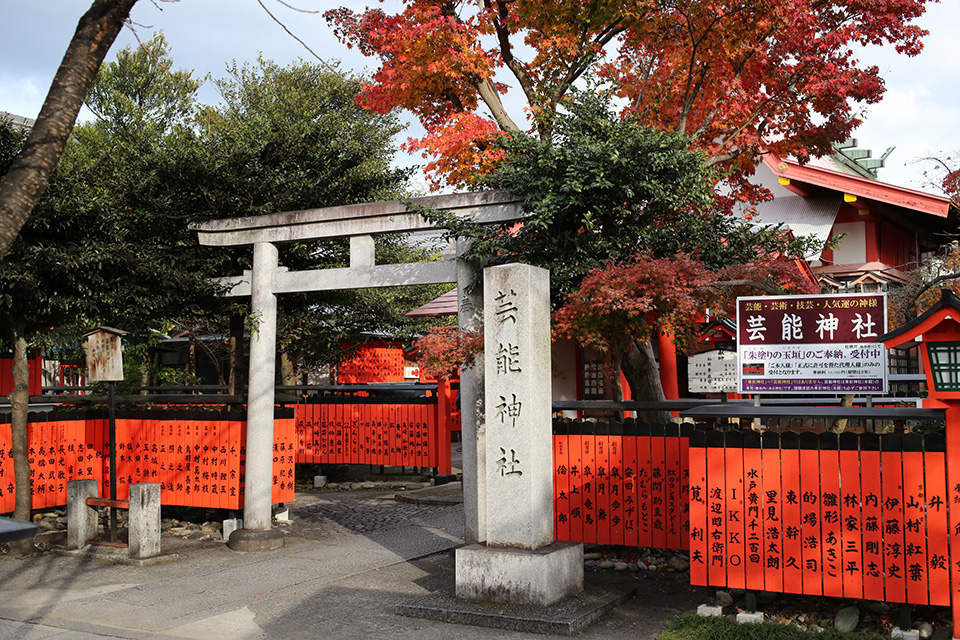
257	533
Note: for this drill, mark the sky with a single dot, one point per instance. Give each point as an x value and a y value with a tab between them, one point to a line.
919	115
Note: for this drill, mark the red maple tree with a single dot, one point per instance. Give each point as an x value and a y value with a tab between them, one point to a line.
739	76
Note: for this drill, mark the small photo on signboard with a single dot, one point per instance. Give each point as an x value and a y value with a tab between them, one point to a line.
713	371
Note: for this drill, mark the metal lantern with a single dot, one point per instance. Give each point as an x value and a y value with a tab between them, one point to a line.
944	363
937	333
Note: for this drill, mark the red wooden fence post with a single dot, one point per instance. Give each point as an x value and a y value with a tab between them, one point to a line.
444	408
669	377
36	375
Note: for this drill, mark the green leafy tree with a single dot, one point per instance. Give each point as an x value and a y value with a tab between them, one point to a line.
110	242
602	188
611	198
289	138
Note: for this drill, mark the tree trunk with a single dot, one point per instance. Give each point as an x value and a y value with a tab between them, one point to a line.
643	376
145	379
19	400
27	177
288	368
840	424
192	356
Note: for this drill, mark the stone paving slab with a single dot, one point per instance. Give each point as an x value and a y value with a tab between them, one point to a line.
444	495
568	617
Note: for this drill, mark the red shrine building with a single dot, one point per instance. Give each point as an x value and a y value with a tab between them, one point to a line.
881	231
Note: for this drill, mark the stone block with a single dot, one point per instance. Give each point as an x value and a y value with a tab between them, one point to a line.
519	576
256	540
750	617
906	634
319	482
709	611
518	404
144	520
82	521
230	525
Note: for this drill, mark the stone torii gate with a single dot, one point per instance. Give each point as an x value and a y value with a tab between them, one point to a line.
360	223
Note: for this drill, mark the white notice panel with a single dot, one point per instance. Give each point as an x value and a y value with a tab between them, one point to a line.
104	355
712	372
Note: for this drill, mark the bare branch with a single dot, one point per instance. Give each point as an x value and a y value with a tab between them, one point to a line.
129	25
515	66
488	93
293	8
292	35
933	283
722	157
583	63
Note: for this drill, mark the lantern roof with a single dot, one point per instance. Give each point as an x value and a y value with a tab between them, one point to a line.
947	308
105	329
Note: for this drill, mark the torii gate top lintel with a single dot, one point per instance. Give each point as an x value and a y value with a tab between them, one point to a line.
372	218
359	223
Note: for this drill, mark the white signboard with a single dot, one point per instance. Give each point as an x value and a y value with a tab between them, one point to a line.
712	372
104	355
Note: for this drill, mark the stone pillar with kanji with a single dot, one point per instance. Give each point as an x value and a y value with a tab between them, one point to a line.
520	562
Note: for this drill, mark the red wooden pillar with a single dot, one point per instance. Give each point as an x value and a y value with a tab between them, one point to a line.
953	489
36	375
668	365
444	409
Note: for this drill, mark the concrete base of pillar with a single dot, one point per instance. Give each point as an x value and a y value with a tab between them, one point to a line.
568	617
520	576
113	555
230	525
143	519
251	540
